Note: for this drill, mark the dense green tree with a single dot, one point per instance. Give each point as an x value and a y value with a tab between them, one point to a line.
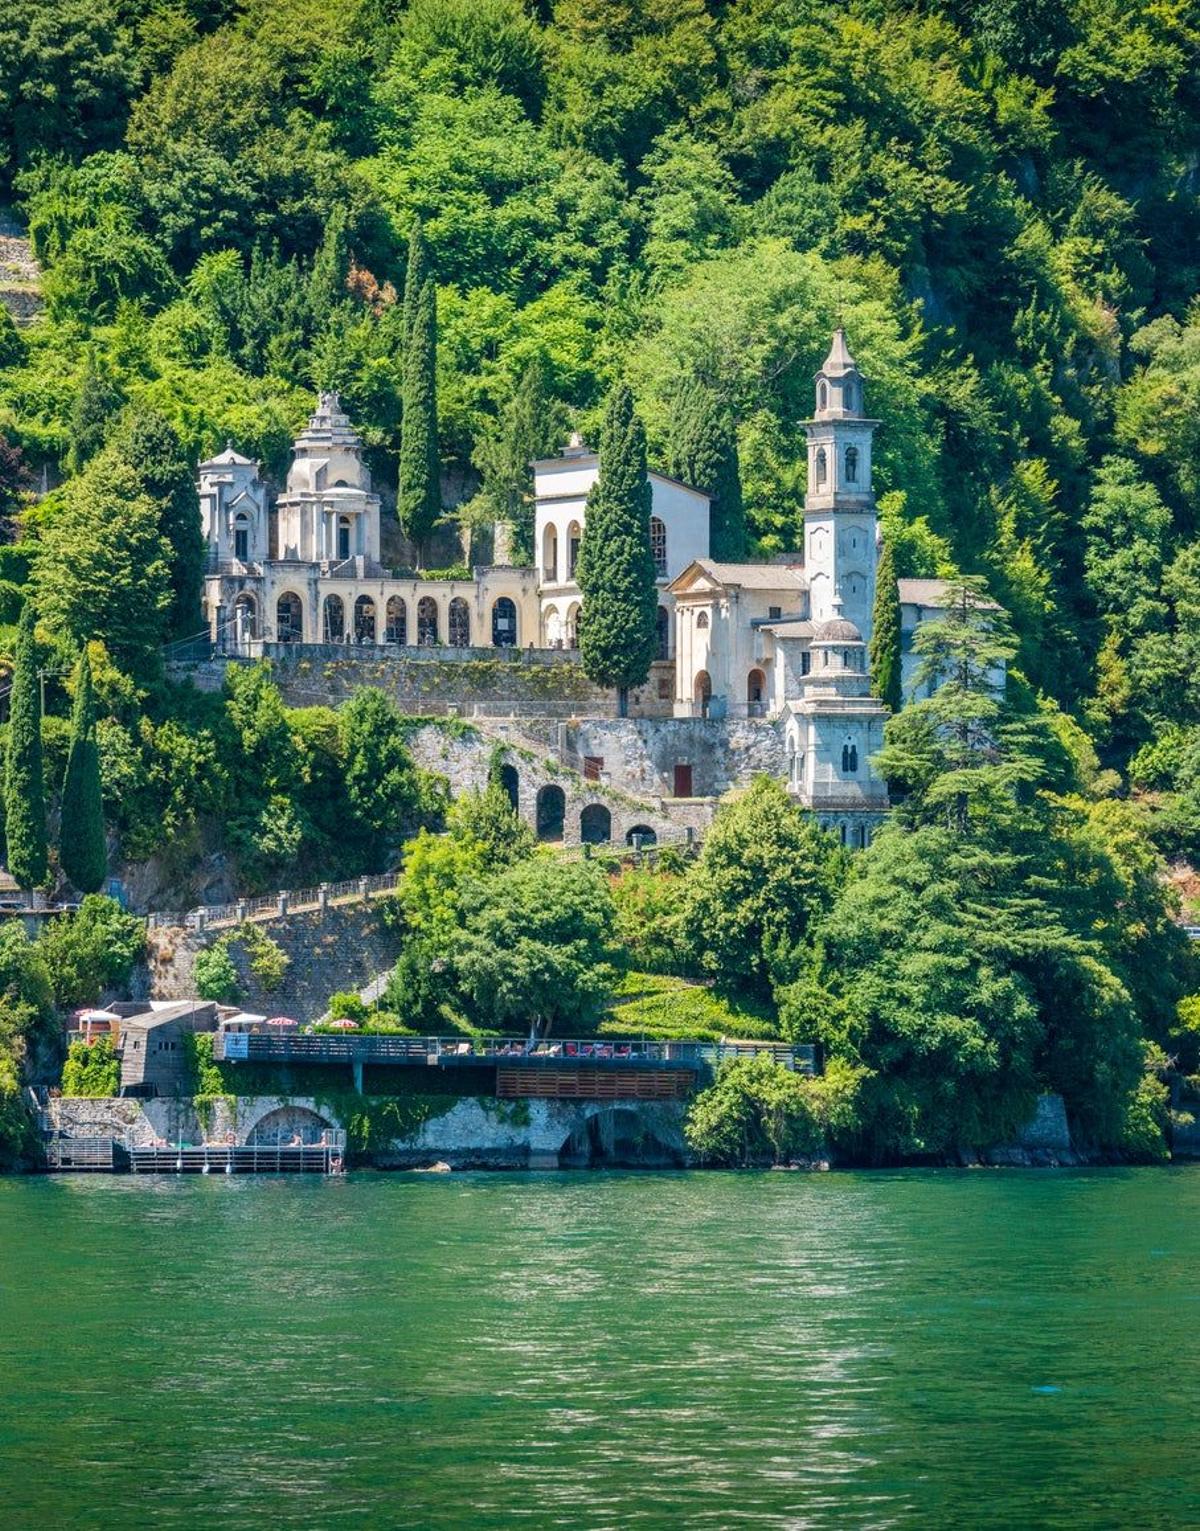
416	274
92	950
96	407
103	565
615	570
382	784
24	790
420	497
702	451
81	843
885	654
765	876
151	446
15	481
534	949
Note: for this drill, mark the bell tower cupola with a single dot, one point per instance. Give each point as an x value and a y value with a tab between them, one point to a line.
839	506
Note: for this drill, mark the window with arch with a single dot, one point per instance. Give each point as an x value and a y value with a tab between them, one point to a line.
848	394
333	621
396	620
245	617
504	623
574	537
662	633
852	465
550	554
364	620
289	618
572	634
343	538
849	758
459	623
427	621
702	620
822	396
822	466
658	545
241	537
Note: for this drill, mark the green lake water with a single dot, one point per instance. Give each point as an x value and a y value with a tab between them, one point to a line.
974	1349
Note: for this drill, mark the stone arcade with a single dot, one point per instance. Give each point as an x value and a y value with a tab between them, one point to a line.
781	643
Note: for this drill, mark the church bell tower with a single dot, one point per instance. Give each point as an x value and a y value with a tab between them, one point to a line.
839	507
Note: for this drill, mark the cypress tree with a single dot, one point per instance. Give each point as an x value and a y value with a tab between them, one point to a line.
420	500
703	452
615	570
81	846
24	795
416	274
885	633
97	402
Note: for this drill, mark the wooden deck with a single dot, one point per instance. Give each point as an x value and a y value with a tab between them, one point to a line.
242	1159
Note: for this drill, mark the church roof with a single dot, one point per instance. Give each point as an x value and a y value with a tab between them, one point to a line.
930	593
746	576
836	630
839	361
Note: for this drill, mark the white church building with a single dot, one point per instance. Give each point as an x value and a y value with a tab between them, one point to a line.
784	642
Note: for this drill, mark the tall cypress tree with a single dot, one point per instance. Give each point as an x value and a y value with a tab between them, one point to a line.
81	846
885	633
420	501
416	274
615	570
703	452
24	794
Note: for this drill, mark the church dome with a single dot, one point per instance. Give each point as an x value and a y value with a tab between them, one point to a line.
836	630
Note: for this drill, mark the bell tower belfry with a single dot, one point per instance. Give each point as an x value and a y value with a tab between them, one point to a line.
839	508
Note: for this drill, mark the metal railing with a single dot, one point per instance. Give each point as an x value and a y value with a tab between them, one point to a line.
322	1047
277	905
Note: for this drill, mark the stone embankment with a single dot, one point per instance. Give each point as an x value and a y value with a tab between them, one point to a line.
465	1132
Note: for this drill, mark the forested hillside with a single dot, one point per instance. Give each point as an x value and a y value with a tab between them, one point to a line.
237	202
998	196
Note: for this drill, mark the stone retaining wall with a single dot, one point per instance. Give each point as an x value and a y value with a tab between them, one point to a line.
469	1132
343	947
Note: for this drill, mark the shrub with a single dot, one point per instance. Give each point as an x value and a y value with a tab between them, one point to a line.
267	959
92	950
91	1071
215	975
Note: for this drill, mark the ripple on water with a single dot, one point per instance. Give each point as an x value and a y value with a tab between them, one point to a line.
902	1349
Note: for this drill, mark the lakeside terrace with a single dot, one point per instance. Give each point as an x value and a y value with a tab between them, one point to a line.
570	1068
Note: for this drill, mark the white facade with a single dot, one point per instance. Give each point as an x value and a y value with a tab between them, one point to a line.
679	527
839	508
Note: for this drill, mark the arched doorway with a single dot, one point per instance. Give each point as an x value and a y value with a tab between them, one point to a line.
459	623
550	556
640	835
662	633
552	628
595	825
622	1136
241	537
396	629
245	618
289	618
702	692
427	621
511	783
364	620
333	625
756	692
551	812
285	1123
572	636
504	623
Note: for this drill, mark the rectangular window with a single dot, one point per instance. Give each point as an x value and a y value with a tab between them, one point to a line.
683	781
592	766
805	662
775	612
